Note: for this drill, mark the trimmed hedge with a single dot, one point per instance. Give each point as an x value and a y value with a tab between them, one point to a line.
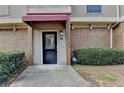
9	63
100	56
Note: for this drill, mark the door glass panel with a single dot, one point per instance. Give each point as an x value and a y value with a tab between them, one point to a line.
50	41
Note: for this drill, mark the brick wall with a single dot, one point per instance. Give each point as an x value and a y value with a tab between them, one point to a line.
118	36
84	38
15	40
68	43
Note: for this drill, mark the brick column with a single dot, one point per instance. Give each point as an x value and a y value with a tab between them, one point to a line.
68	43
30	44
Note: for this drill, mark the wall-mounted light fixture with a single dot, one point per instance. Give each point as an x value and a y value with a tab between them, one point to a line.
61	35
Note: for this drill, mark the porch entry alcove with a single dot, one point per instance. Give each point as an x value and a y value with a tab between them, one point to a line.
48	38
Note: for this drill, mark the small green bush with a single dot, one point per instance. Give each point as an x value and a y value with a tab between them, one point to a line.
100	56
9	63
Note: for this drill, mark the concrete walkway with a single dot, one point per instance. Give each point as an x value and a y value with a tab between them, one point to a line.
49	76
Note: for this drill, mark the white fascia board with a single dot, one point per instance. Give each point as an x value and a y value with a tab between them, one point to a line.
121	18
72	19
11	20
93	19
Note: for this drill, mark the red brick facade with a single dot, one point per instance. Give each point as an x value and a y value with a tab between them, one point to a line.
79	38
84	38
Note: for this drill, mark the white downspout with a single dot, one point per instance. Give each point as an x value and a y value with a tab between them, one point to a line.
118	13
111	30
111	37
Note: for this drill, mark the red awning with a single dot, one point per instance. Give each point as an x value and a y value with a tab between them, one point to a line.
58	17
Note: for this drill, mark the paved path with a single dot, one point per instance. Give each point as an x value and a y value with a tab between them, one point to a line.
49	76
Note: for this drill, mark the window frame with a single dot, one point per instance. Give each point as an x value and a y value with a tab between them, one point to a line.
94	12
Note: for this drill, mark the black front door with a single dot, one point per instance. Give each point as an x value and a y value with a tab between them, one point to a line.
49	48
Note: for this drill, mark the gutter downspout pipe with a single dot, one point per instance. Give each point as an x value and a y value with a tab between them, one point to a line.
118	16
111	30
114	25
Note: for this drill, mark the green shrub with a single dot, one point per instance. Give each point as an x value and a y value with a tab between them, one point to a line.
9	63
3	77
100	56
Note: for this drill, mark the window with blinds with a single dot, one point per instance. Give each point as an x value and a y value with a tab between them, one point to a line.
94	8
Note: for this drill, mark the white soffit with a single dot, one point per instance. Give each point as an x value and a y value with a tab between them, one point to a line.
11	20
93	19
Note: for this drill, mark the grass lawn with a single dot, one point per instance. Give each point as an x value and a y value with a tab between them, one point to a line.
104	76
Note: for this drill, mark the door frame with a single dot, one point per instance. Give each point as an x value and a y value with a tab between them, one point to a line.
43	40
41	37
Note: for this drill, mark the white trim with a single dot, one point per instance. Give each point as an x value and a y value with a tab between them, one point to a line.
93	19
41	47
11	20
72	19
